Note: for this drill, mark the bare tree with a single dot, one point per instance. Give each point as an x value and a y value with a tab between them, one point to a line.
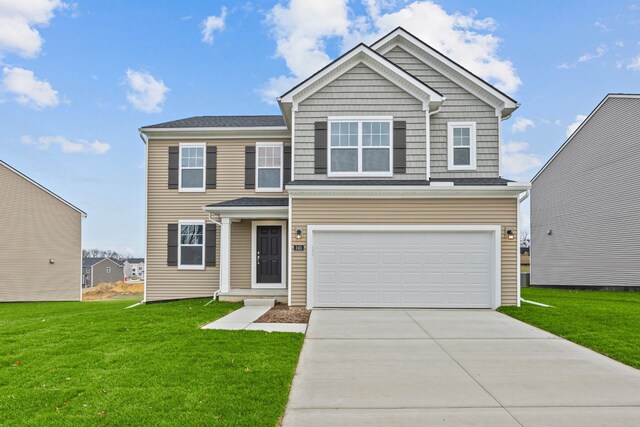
103	253
525	240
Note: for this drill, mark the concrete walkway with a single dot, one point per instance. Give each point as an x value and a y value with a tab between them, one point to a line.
453	368
244	318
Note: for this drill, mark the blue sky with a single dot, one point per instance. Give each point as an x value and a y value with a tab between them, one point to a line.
78	79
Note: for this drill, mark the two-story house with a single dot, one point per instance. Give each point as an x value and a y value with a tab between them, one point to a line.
101	270
134	268
378	186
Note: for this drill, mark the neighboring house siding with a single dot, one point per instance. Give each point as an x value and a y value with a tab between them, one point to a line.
460	106
360	92
589	198
100	274
405	211
34	227
169	206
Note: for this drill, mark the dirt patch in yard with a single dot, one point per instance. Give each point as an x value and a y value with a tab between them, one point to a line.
118	290
280	313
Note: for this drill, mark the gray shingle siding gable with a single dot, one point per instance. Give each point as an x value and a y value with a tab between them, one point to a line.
589	198
460	105
360	92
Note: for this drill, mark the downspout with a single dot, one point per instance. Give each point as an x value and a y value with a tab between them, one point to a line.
524	196
428	132
216	293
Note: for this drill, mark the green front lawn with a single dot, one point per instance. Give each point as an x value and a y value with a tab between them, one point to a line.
98	364
605	321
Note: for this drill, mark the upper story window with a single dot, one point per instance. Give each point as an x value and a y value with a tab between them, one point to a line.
461	141
360	146
191	245
269	166
192	167
108	269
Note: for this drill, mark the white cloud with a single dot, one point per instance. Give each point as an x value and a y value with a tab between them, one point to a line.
601	26
573	126
600	51
213	23
522	124
145	93
634	64
516	161
66	145
27	89
18	22
303	29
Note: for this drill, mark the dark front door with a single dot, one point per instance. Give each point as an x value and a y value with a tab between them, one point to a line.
269	254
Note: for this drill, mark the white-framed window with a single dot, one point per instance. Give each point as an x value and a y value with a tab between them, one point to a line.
360	146
108	269
461	142
269	161
193	162
191	245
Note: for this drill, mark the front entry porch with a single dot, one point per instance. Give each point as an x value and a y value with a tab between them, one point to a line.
253	248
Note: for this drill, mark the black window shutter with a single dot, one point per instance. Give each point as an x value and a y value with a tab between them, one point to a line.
286	170
172	244
250	166
174	159
399	147
212	159
210	246
320	129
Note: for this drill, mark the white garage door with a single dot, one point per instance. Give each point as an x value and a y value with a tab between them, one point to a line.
403	269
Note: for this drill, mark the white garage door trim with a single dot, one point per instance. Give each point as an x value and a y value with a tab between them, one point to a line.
495	229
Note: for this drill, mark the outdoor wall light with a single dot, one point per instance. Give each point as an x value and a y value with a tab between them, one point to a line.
549	232
510	234
52	260
298	233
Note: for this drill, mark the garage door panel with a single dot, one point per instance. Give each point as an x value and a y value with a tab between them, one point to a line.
403	269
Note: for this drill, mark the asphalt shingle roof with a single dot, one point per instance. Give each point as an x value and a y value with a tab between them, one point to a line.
223	122
89	261
403	182
252	202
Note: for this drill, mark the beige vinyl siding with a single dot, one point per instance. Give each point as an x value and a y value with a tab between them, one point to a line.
360	92
34	227
405	211
588	196
241	254
460	106
169	206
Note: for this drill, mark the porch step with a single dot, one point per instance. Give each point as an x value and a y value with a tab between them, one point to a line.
261	302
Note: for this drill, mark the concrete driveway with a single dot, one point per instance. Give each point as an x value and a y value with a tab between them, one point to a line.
453	368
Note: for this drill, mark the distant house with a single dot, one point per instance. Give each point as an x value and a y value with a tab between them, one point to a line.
134	269
101	270
40	241
585	202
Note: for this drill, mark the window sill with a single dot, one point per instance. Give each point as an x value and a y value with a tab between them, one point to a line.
269	190
359	175
461	168
192	190
191	267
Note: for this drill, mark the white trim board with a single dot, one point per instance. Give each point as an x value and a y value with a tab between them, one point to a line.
362	54
495	229
409	191
407	41
283	255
